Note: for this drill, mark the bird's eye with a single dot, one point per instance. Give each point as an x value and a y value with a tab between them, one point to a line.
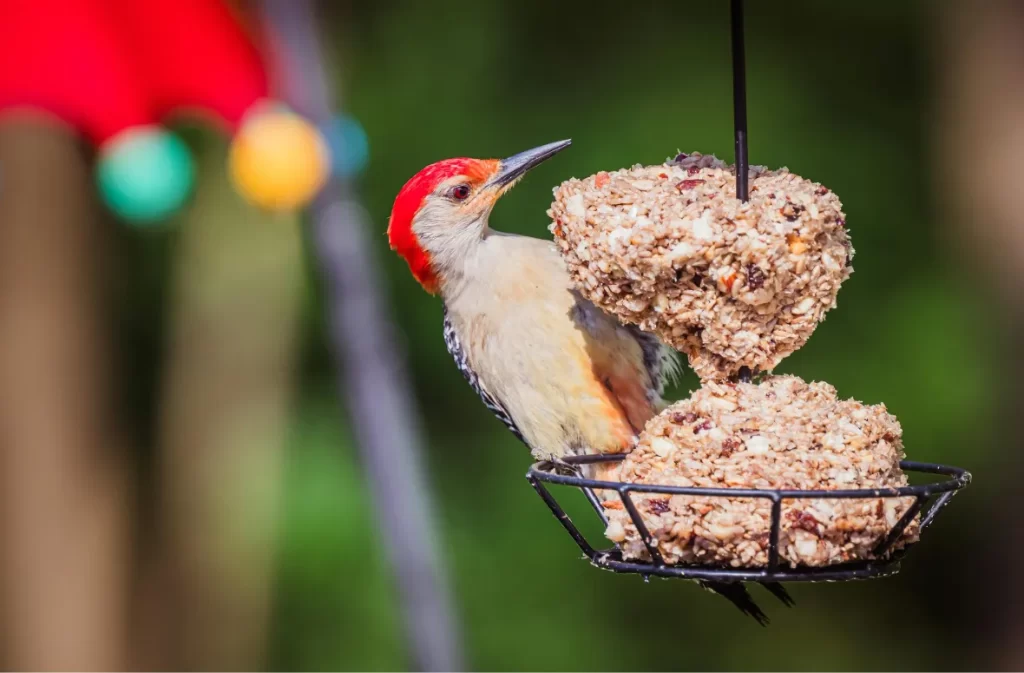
460	192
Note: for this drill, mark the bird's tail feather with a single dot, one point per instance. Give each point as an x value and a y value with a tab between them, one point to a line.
776	589
738	595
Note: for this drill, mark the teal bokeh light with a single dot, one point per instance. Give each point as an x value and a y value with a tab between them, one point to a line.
145	174
350	148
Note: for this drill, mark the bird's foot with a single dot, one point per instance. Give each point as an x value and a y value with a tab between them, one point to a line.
564	468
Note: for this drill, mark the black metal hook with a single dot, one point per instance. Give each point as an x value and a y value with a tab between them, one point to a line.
739	99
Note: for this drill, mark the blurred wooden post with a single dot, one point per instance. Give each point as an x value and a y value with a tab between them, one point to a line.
226	401
978	162
64	508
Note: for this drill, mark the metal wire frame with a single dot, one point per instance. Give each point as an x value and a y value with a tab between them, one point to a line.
887	562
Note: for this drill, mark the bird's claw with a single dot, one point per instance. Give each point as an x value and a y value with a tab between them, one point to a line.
564	468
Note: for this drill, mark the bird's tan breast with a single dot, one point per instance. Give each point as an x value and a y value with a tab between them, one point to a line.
568	386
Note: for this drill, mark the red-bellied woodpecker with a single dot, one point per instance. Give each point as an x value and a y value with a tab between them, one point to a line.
564	376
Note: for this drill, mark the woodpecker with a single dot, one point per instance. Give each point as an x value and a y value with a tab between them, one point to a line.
562	375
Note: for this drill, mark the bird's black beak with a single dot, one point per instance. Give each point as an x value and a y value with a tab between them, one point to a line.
517	165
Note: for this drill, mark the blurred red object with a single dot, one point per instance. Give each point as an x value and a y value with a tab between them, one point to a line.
103	66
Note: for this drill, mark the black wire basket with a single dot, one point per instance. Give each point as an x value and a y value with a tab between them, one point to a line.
929	500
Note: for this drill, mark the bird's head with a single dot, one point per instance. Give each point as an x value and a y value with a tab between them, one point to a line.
442	211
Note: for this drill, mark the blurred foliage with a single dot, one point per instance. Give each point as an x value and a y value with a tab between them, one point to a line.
839	92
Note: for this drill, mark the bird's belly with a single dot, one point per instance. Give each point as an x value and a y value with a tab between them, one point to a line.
564	406
563	389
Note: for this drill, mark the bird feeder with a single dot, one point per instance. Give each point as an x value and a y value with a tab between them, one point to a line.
904	511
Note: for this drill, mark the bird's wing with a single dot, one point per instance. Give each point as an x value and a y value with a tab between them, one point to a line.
632	364
662	362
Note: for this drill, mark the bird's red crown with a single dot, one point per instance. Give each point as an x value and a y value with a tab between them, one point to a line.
409	201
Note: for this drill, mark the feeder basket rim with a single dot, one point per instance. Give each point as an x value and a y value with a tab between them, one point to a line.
887	554
959	478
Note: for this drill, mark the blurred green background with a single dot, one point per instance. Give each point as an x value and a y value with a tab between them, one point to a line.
846	93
